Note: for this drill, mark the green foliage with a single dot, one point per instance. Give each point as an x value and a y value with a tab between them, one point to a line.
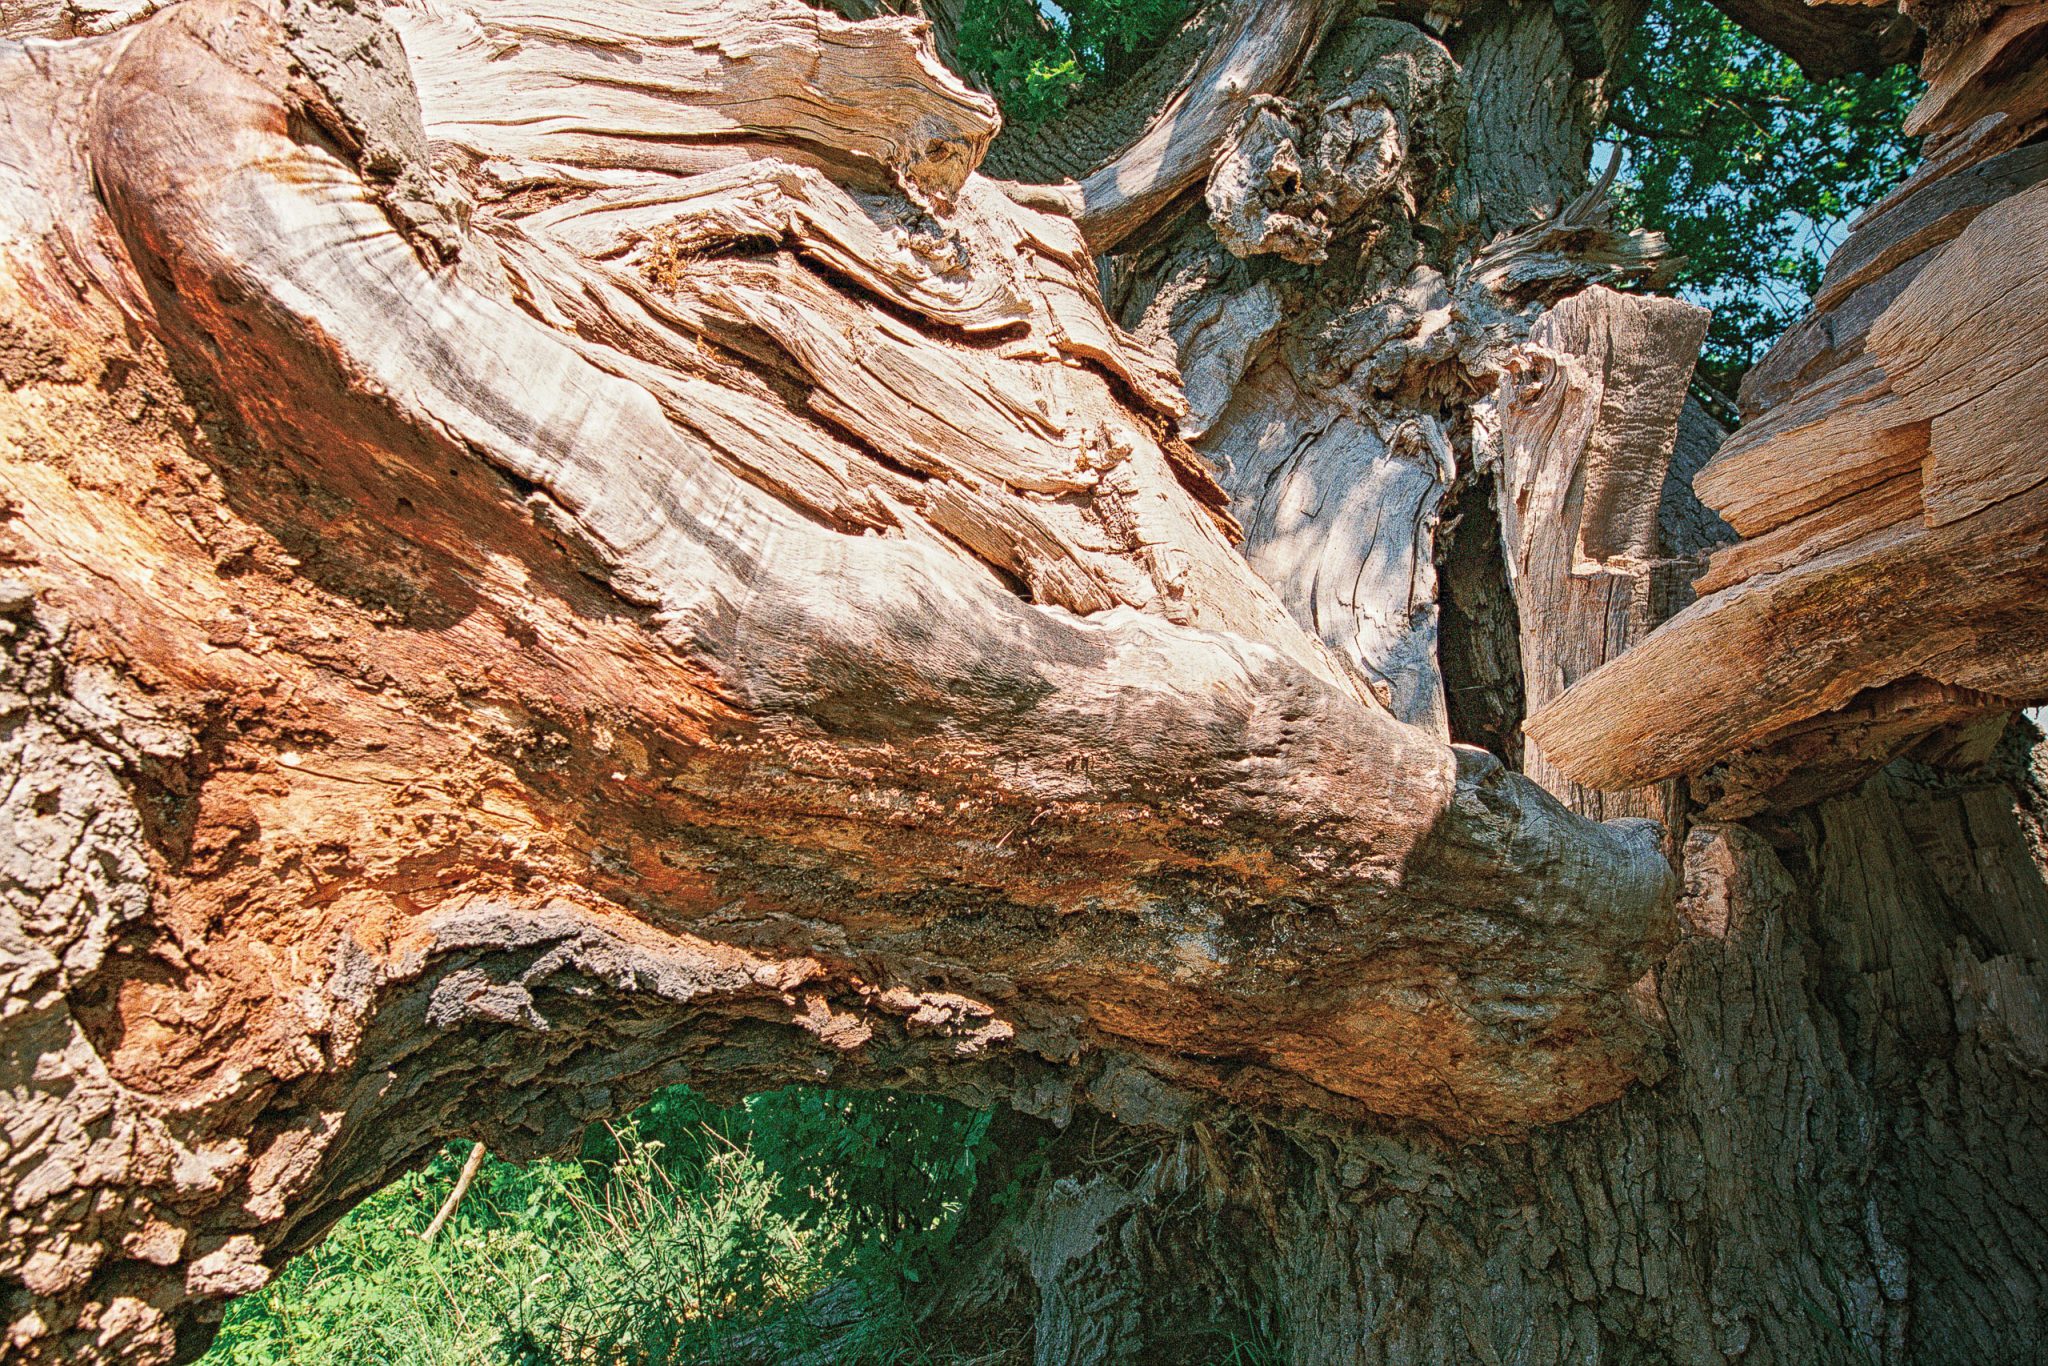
1036	58
903	1167
684	1225
1752	169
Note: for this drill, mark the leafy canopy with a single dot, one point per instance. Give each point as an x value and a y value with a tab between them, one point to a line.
1752	170
1037	57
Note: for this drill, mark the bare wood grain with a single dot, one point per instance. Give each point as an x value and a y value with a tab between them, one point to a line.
1589	417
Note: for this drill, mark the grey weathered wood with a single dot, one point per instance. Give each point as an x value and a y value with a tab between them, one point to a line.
1255	56
1588	420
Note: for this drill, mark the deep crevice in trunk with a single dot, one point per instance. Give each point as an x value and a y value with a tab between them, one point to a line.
1479	632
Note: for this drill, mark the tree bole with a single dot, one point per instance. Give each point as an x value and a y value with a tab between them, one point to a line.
524	587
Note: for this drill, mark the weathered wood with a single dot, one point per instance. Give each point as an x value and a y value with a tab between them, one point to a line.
1988	448
1845	433
674	532
540	83
1984	65
524	584
1970	320
1833	754
1257	55
1860	513
1854	1042
1306	389
1588	419
1920	216
1962	347
1957	604
692	547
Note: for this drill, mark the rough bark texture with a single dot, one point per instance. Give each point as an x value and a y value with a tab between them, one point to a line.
554	549
1855	1057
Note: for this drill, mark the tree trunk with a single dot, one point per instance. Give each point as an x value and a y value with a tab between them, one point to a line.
556	550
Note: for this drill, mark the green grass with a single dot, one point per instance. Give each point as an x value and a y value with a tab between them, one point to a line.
681	1235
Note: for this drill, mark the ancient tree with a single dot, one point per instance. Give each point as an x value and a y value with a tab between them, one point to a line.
554	547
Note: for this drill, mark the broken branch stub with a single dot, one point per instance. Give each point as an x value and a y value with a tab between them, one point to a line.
1890	487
